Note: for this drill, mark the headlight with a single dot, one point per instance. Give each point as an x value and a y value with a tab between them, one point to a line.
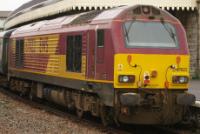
126	78
180	79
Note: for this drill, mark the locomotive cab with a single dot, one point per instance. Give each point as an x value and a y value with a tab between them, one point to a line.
151	72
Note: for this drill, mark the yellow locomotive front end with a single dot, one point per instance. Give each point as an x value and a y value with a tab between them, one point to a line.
151	69
152	89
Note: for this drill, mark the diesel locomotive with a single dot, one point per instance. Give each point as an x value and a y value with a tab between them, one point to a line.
127	64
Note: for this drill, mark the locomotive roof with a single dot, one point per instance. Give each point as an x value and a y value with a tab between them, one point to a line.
57	25
6	34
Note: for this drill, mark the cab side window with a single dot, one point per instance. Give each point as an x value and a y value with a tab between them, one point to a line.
100	38
74	53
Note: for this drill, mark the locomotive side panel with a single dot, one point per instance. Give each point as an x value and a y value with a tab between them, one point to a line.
37	54
42	55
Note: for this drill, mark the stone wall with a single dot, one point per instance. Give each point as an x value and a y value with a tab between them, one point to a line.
189	19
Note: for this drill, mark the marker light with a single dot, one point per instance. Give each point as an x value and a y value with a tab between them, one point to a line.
154	74
126	78
180	79
178	60
129	59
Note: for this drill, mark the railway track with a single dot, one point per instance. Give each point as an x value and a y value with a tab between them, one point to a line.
60	111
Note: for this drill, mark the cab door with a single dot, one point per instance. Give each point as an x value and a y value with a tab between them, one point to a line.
100	55
91	56
95	54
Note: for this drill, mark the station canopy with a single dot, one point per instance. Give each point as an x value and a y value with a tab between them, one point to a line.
37	9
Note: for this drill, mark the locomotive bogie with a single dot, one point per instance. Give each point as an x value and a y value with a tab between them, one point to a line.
69	98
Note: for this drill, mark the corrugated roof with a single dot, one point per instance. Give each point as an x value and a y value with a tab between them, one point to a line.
27	5
53	7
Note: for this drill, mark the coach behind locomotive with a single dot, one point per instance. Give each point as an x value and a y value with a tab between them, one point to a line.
128	64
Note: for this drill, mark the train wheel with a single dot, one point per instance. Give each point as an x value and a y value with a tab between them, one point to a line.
106	115
31	97
79	113
21	94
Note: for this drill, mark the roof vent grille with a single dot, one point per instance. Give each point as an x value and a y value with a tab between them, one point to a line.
137	11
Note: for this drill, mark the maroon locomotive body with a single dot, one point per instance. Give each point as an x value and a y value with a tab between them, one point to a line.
128	64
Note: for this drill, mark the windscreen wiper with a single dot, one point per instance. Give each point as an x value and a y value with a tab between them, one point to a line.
169	30
127	30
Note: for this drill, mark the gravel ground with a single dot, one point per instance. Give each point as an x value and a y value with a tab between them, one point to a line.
19	118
